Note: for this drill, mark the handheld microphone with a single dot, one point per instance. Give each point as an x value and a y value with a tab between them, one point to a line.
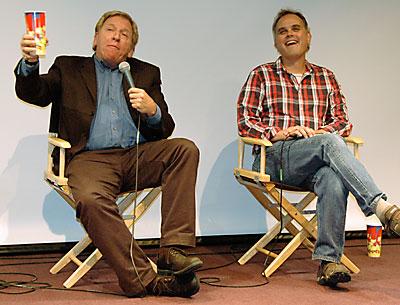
124	68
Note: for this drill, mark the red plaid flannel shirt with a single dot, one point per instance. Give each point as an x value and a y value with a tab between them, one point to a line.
272	99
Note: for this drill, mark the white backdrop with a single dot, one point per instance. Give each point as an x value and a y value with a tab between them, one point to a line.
205	50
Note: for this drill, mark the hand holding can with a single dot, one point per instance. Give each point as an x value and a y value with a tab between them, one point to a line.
36	26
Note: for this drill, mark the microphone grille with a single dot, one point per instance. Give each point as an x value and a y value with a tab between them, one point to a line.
124	66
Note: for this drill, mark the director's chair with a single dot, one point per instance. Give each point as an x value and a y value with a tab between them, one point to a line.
291	217
125	203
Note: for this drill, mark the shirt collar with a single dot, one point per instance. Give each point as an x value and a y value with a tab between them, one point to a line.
102	65
280	68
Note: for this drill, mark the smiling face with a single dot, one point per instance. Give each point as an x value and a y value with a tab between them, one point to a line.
113	41
292	37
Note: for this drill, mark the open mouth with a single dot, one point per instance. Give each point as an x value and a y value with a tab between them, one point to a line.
291	43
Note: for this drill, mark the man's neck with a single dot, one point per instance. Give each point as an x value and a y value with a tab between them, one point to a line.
295	65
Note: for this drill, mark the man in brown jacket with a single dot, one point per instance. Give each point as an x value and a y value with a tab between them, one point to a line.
104	119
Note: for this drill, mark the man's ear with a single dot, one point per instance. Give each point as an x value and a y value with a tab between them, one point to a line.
309	36
94	44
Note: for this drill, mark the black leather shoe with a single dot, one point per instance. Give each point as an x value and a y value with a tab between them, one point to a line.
175	261
174	286
330	274
392	220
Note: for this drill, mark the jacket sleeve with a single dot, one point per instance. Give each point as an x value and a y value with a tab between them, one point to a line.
153	88
36	89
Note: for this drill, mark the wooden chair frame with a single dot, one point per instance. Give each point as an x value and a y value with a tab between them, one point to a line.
268	194
60	184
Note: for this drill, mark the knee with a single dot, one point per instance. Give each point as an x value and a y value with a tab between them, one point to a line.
186	147
332	140
88	202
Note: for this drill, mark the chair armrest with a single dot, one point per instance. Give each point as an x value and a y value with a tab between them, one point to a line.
59	142
247	173
355	142
54	141
255	141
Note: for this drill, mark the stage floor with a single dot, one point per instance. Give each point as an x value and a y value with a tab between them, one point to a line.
294	283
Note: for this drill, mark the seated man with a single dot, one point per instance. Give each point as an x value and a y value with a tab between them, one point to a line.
101	118
300	108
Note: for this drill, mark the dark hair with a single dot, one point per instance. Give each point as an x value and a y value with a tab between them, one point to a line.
284	12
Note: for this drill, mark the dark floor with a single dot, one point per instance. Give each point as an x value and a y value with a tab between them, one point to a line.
294	283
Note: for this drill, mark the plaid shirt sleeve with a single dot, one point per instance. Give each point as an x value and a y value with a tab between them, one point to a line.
251	120
336	119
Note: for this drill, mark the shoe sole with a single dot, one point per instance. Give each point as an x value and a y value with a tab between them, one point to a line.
189	269
334	279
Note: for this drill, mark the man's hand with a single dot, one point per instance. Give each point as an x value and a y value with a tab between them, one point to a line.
296	132
321	131
142	102
28	48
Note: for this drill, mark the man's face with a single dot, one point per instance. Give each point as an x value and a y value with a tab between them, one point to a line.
113	41
292	39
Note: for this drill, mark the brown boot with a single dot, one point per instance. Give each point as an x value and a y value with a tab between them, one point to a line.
174	286
392	220
330	274
175	261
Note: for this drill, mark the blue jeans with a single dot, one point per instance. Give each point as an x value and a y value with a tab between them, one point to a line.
323	164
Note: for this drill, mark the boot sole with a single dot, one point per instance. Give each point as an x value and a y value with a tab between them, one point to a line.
334	279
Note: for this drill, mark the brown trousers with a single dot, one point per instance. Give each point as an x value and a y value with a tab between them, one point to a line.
97	177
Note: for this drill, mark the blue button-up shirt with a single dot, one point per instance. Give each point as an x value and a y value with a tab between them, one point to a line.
113	125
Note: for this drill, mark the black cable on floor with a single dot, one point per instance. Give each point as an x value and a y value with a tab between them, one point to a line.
215	281
32	285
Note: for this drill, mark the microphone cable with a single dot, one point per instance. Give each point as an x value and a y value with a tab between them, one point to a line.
281	180
131	250
124	68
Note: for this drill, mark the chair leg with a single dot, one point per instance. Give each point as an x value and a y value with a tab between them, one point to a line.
91	260
261	243
268	205
71	255
267	238
153	265
285	253
143	206
84	267
349	264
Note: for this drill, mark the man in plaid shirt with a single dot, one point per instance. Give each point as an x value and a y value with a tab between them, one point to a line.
300	108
